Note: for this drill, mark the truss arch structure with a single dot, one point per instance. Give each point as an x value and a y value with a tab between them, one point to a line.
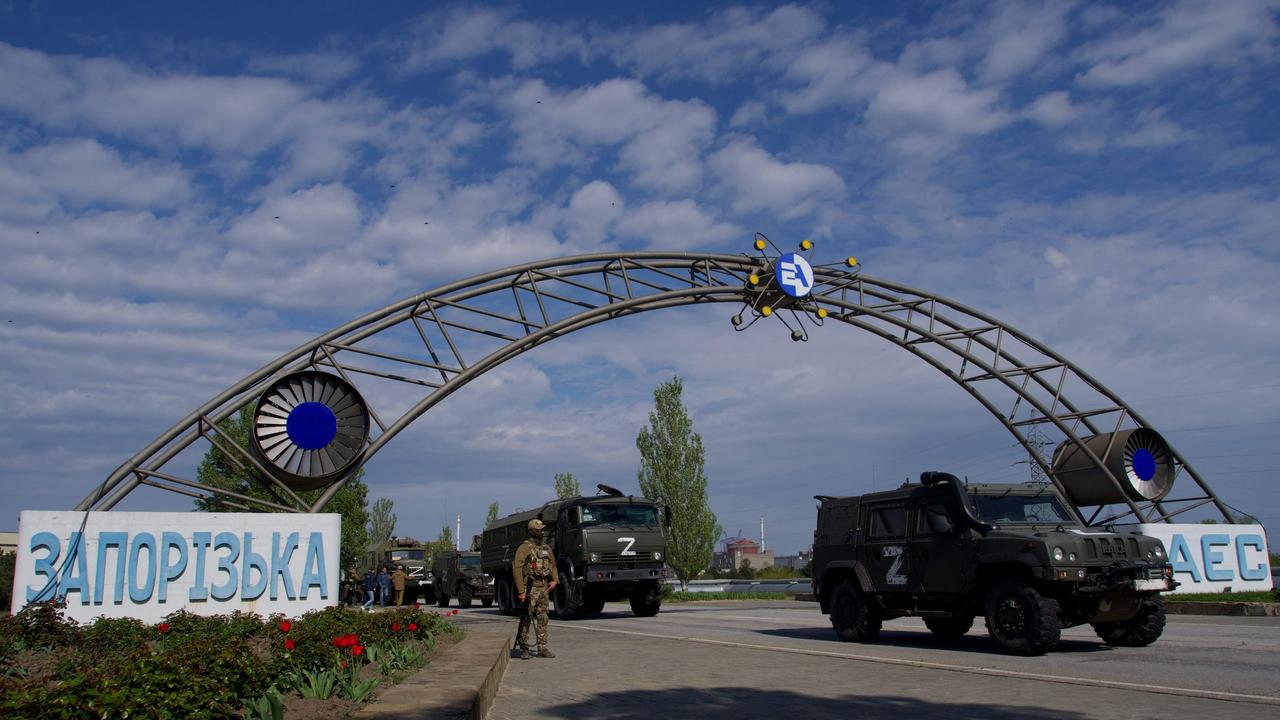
432	344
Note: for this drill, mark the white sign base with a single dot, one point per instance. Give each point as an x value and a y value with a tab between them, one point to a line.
1215	558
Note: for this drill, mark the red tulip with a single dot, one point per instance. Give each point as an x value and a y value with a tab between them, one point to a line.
285	626
344	664
289	644
163	627
455	612
413	627
395	627
357	650
345	641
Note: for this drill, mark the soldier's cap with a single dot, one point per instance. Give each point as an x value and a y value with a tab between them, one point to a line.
535	525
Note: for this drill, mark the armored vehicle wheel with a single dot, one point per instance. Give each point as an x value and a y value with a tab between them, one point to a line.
1021	620
949	628
852	620
646	599
1140	631
442	600
464	596
503	593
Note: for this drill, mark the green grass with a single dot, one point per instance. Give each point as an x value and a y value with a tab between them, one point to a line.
1252	596
696	596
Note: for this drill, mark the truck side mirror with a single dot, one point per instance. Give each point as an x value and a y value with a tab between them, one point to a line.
666	516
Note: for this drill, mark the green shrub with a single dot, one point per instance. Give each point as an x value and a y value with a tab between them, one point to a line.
7	563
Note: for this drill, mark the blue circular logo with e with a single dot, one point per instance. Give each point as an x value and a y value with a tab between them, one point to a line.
312	425
794	275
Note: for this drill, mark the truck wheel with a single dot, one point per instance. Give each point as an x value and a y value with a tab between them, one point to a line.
1140	631
949	628
593	603
503	594
1021	620
852	620
568	601
442	600
464	596
487	602
646	599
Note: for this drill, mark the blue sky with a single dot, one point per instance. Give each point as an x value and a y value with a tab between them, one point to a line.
188	193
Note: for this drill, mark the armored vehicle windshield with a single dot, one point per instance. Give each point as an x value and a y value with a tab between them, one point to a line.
1006	506
619	514
471	562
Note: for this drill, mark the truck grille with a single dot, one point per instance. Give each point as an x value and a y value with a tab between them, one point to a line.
1110	548
614	558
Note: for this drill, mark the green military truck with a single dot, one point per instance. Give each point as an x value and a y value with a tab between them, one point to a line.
405	551
458	575
609	547
1017	555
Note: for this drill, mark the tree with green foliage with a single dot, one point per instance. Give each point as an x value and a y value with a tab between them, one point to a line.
8	561
382	524
672	459
219	472
567	486
492	514
441	545
744	571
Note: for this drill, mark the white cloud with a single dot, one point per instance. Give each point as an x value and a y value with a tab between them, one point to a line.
465	33
749	113
1182	36
758	181
940	101
592	210
661	141
322	67
83	172
1053	110
1155	130
677	225
1019	36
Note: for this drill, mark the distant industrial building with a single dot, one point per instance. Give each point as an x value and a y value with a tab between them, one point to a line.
8	542
738	549
795	562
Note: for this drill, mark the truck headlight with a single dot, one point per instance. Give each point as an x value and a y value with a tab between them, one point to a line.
1071	557
657	555
1059	554
595	557
1159	552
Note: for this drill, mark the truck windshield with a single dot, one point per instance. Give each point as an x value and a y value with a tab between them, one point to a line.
1009	508
397	555
469	562
618	514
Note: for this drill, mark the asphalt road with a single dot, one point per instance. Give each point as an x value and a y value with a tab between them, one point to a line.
714	660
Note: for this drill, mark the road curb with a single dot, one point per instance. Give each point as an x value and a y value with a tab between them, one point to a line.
1183	607
460	682
1239	609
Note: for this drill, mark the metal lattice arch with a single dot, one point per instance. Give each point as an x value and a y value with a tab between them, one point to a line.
436	342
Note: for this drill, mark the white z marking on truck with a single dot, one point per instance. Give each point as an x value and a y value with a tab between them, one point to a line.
627	550
892	577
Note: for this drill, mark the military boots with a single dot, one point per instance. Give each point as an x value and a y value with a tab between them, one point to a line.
545	653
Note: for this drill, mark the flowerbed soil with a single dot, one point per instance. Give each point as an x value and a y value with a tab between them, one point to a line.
321	665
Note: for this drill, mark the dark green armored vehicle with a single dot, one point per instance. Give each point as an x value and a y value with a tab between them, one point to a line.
1017	555
609	547
458	575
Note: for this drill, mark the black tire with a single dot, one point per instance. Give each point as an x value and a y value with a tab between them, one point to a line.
949	628
852	620
442	600
464	596
567	600
486	602
1140	631
646	599
503	592
1021	621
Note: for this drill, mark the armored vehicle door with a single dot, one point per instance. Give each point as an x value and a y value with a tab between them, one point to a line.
884	547
941	552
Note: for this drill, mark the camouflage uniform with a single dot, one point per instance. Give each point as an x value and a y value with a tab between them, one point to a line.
535	561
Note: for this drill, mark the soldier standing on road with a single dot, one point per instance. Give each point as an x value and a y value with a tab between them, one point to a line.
397	583
534	568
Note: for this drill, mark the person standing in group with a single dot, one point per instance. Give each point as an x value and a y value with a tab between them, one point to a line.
384	587
535	573
370	584
397	583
